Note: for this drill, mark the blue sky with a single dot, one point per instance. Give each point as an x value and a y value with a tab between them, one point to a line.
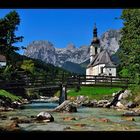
64	26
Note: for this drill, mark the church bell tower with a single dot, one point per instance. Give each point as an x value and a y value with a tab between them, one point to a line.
95	44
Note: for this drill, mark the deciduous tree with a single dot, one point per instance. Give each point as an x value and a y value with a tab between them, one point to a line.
130	44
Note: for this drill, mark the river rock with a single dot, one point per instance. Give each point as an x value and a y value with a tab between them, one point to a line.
2	108
92	103
126	93
120	105
131	113
13	118
104	120
69	118
32	116
8	109
131	104
70	108
45	116
66	106
2	102
23	121
24	101
67	128
81	99
3	117
102	103
137	109
116	98
13	126
16	104
80	125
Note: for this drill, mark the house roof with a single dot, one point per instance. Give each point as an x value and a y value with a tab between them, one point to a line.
102	58
2	58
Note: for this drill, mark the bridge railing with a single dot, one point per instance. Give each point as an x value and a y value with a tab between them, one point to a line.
69	80
88	80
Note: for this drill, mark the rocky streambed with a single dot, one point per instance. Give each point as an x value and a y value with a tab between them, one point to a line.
79	115
85	119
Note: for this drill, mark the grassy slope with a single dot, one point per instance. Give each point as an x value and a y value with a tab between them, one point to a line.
93	92
9	95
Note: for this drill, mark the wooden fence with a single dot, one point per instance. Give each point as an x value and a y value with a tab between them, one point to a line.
54	81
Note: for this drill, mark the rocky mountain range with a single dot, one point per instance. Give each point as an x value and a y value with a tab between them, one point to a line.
110	40
47	52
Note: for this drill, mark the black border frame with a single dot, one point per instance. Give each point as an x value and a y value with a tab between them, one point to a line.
69	4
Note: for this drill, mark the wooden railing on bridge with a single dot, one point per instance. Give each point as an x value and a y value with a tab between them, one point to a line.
49	80
90	80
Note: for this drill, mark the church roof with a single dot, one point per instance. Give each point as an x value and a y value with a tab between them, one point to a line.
102	58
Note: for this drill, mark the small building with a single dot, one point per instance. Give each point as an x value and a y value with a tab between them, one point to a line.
2	61
100	60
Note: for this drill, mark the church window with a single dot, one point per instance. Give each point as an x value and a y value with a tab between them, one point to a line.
101	69
110	74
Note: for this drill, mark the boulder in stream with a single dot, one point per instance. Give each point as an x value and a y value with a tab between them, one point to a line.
102	103
131	104
120	105
66	106
92	103
131	113
116	98
45	116
15	104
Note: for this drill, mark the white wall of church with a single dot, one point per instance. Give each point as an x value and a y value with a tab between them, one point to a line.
96	70
109	71
89	71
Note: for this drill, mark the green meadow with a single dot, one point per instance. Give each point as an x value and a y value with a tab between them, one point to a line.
93	92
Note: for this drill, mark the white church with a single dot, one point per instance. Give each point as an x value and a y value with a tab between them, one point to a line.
100	61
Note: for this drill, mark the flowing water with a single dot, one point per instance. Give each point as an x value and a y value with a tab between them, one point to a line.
86	119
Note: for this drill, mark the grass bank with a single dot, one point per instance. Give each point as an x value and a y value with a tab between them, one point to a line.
9	95
93	92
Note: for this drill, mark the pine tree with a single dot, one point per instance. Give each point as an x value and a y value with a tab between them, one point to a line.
8	26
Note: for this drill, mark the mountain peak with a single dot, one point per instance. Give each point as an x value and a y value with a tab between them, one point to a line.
70	46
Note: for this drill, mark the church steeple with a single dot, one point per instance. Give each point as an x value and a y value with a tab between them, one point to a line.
95	44
95	31
95	37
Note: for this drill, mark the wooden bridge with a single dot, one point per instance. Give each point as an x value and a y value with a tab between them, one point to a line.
62	82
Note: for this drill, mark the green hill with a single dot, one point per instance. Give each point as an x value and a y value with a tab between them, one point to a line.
74	68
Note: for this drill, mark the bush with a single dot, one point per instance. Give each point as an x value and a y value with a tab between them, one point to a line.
28	66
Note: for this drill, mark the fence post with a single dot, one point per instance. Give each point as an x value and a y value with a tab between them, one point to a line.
63	93
95	80
78	86
111	81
